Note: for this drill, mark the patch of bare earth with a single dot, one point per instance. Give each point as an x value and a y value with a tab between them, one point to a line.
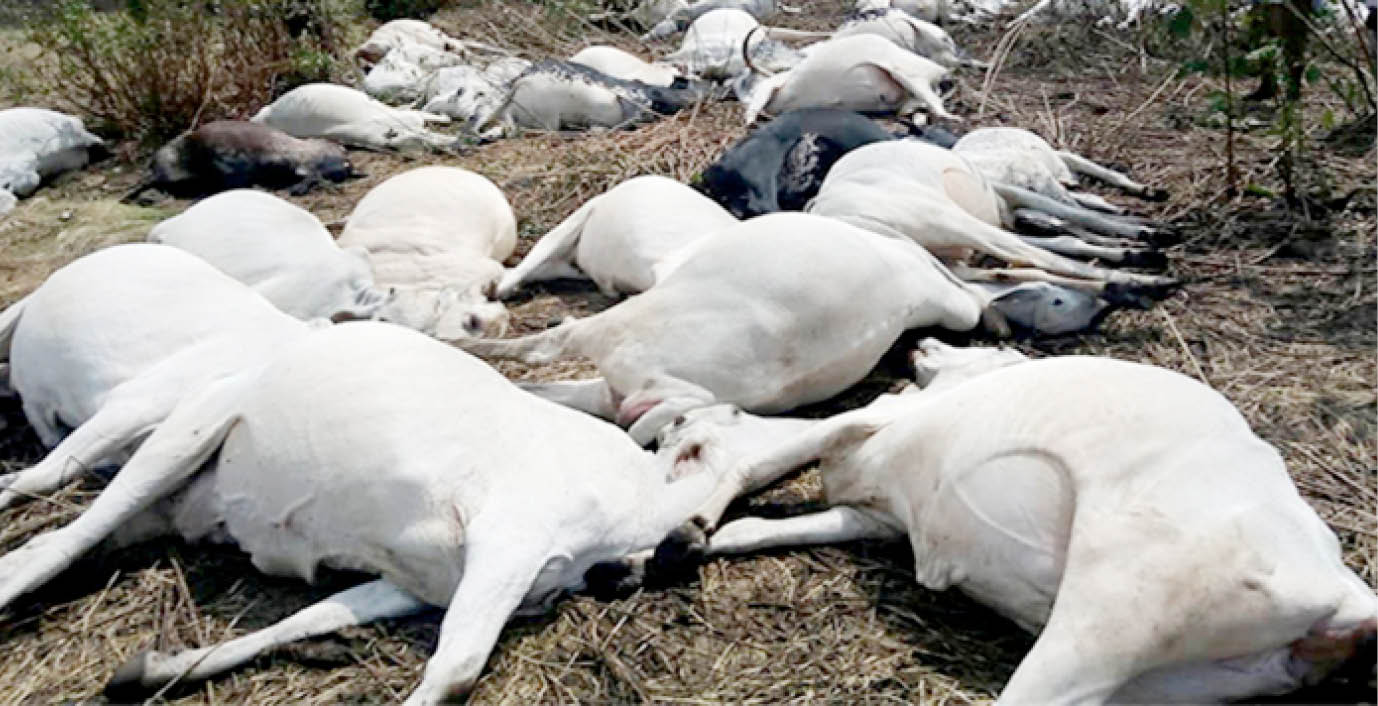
1278	315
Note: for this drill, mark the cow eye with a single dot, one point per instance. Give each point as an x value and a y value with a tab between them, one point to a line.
1057	302
460	92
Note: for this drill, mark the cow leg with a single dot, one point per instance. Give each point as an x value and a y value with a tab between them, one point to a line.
1075	247
45	424
130	412
163	463
1116	294
1082	165
690	541
544	347
841	523
1039	223
590	396
499	572
150	670
552	257
1095	203
649	410
751	474
1106	224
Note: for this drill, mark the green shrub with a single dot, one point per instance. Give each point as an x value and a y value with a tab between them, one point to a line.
385	10
163	66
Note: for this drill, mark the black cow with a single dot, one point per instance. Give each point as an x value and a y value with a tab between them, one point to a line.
779	167
233	154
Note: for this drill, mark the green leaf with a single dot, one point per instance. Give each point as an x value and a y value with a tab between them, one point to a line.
1260	190
1217	100
1328	119
1196	66
1313	73
1181	22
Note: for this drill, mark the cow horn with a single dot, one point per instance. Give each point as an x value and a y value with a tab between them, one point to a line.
746	53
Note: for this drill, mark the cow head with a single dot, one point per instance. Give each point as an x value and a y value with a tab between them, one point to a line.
331	162
472	97
1040	307
447	313
931	41
19	175
936	363
720	434
357	297
742	187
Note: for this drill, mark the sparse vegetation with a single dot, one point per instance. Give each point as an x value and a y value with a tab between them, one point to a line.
163	66
1288	46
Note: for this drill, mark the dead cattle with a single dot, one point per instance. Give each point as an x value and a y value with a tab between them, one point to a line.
372	448
232	154
863	72
736	319
779	166
108	345
1083	498
552	95
38	144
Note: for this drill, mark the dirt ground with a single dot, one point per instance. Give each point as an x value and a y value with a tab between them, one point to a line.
1278	314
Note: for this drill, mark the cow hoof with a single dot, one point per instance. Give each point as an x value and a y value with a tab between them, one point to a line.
1161	236
680	552
607	580
1153	194
1145	259
1138	295
127	685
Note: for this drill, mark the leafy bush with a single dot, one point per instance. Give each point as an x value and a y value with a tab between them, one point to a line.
385	10
163	66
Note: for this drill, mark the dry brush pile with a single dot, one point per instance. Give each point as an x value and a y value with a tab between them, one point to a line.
1278	314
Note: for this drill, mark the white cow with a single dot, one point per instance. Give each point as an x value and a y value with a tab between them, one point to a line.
1125	512
739	316
552	95
437	237
862	72
351	117
685	15
627	66
395	33
467	93
38	144
1018	157
934	11
280	250
402	74
712	46
919	36
620	238
108	345
922	192
372	448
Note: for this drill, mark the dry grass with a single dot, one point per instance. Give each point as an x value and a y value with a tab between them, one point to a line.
1278	316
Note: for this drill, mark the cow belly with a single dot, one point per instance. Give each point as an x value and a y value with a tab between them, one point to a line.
1001	524
296	506
550	102
861	88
